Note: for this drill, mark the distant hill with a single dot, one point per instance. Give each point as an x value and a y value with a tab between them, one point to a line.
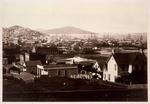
19	31
67	30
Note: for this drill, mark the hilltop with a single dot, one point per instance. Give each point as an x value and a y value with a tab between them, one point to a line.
19	31
67	30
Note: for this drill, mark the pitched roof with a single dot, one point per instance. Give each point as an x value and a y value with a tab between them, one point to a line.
128	58
32	63
100	59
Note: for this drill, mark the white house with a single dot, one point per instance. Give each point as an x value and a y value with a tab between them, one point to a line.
124	65
110	71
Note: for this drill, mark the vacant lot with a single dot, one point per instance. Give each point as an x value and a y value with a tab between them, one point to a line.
52	84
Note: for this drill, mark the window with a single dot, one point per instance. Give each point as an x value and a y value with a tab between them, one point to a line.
109	77
65	72
58	72
104	76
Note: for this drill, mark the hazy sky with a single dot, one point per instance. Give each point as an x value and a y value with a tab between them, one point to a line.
96	17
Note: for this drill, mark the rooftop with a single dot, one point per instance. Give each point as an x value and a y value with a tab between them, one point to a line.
128	58
33	63
59	66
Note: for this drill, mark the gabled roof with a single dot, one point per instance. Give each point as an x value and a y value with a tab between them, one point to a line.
102	62
100	59
128	58
124	58
32	63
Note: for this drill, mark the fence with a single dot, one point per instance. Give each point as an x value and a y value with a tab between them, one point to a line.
82	76
137	86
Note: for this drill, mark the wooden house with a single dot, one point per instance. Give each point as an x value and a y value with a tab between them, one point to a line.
127	67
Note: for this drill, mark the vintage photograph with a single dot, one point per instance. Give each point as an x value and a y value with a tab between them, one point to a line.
73	51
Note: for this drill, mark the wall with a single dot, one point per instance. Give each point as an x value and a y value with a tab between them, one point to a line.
105	74
5	61
50	51
111	70
126	68
21	59
35	57
137	65
40	70
26	57
31	69
72	71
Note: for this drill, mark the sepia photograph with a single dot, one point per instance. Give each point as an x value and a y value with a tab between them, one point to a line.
74	51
